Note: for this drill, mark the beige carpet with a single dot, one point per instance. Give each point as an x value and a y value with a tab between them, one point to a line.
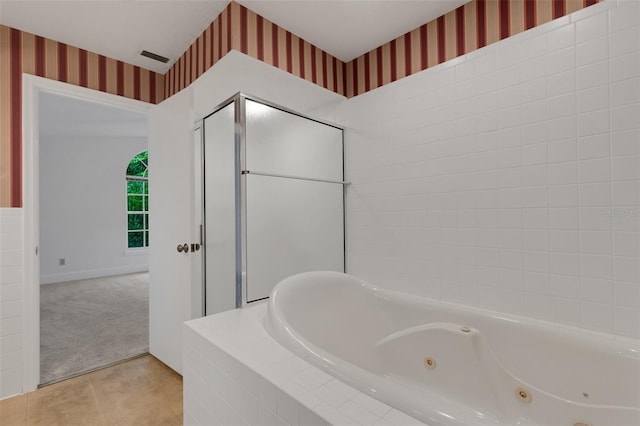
92	323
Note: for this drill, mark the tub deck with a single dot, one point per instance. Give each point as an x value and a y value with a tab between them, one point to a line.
235	373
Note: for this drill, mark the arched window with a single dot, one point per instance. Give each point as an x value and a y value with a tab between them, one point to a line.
138	201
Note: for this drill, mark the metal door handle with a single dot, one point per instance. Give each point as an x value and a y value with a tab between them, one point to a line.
183	248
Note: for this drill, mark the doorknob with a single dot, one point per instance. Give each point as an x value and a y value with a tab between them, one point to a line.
183	248
195	247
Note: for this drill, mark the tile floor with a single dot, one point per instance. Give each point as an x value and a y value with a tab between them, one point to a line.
139	392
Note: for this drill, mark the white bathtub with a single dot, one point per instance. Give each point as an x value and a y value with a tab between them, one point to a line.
446	364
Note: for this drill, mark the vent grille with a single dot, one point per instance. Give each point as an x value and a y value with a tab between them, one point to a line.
154	56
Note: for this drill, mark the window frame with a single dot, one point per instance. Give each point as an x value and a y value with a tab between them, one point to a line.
144	194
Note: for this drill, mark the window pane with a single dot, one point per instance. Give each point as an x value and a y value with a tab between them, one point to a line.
146	221
146	234
134	186
146	203
138	166
146	187
136	239
134	203
136	221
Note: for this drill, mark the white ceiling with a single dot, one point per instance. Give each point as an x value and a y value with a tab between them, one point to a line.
122	29
348	28
115	28
68	117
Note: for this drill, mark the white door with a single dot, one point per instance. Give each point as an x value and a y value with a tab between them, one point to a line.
171	196
197	230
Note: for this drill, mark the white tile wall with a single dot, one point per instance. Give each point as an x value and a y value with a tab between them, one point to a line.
509	178
236	374
11	281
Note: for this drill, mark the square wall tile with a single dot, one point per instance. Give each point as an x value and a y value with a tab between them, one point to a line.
593	123
624	67
595	50
592	75
625	92
596	242
566	310
563	195
625	117
625	142
595	194
625	168
593	266
627	322
626	244
596	170
621	43
627	295
597	316
599	291
595	146
592	27
593	99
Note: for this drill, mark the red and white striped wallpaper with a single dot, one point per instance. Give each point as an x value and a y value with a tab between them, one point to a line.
22	52
238	28
470	27
465	29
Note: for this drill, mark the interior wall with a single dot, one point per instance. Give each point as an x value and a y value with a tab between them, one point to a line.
83	207
461	31
471	26
509	178
240	29
170	150
474	25
11	301
263	81
22	52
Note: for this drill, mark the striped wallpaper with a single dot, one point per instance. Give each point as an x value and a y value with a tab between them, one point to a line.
238	28
21	52
470	27
465	29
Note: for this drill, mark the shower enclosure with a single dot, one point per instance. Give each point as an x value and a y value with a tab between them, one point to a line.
273	200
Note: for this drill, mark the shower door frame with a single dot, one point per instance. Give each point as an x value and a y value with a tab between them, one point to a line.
240	139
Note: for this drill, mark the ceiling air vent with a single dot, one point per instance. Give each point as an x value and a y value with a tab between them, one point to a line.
154	56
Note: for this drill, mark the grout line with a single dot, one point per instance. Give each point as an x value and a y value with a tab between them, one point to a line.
95	397
162	394
26	407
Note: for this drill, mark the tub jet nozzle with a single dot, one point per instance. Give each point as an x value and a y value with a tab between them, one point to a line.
523	395
430	363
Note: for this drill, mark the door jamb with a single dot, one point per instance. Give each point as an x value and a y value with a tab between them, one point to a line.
32	86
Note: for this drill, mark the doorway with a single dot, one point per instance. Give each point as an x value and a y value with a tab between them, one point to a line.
93	179
44	262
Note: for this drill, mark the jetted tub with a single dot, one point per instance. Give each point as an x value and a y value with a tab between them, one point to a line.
446	364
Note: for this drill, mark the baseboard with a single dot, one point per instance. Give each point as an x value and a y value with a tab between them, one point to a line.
93	273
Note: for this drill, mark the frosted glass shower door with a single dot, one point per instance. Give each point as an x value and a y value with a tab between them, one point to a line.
220	173
294	198
293	226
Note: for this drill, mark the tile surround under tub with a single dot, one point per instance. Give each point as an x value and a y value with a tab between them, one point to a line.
236	373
